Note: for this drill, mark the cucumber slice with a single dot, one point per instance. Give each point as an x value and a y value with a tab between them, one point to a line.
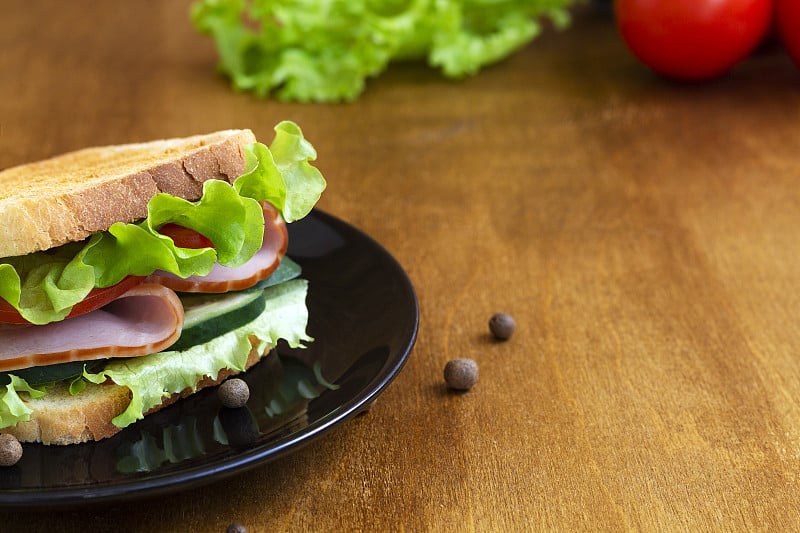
42	375
210	315
199	308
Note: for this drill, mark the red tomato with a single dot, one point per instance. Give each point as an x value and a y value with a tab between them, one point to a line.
96	299
787	14
185	237
693	39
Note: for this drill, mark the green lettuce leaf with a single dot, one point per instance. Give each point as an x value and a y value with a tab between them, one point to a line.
325	50
153	377
45	286
139	249
282	174
12	408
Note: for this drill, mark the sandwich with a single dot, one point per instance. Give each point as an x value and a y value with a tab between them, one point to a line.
134	275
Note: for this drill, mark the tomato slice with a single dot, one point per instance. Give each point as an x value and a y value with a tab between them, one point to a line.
96	299
184	237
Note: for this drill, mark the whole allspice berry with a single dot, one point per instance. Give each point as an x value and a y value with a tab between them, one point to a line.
234	393
461	373
10	450
502	326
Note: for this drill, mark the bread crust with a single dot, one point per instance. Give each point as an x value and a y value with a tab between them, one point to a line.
62	419
69	197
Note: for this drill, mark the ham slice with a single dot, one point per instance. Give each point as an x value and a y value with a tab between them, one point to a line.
146	319
224	279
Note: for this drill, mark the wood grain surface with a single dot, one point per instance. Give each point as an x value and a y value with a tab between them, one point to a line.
644	234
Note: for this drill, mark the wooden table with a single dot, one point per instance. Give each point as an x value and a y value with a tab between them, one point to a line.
644	234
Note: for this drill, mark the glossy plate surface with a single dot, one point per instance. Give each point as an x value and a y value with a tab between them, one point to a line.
363	315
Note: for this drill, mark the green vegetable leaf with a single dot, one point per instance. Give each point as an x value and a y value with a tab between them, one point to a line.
282	174
235	241
325	50
46	285
12	408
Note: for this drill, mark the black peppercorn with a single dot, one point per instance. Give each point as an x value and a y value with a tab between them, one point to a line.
461	373
10	450
234	393
502	326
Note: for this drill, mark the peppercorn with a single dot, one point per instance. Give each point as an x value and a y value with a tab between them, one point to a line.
234	393
502	326
236	527
461	373
10	450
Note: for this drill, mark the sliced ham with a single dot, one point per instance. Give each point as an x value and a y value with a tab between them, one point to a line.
146	319
224	279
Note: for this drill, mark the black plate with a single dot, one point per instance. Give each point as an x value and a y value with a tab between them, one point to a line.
364	318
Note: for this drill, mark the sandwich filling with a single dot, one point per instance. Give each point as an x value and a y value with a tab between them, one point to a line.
104	310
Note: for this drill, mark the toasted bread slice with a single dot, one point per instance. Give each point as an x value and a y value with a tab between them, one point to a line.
69	197
60	418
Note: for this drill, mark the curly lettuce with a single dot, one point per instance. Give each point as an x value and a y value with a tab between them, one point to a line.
43	287
324	50
12	408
